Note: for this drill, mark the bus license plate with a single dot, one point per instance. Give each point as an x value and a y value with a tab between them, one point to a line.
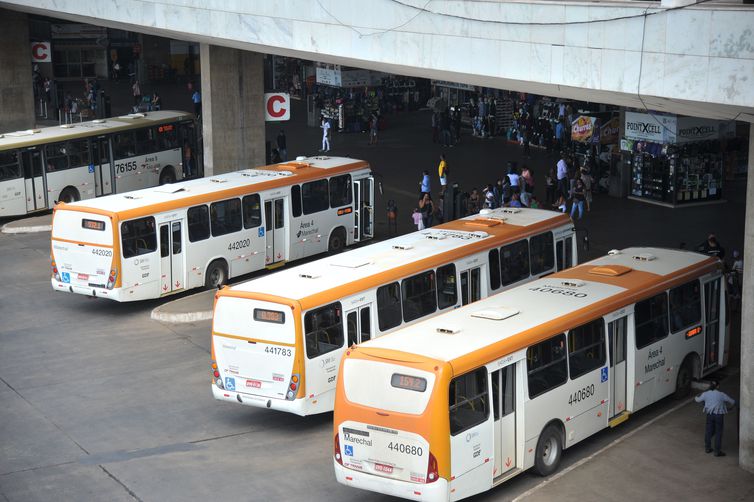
254	384
83	277
387	469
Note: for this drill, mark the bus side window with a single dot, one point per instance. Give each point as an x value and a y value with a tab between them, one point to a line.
547	367
252	211
225	217
389	306
494	267
9	167
296	201
146	141
469	401
542	253
586	348
651	320
123	145
324	330
57	157
340	191
198	223
138	237
418	293
447	292
685	306
314	196
514	262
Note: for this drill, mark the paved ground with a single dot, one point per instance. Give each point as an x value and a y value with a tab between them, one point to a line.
98	402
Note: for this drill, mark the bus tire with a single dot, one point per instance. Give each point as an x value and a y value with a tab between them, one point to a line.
337	241
683	380
167	176
68	195
549	451
217	274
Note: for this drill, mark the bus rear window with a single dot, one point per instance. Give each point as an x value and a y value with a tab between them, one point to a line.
93	225
408	382
265	315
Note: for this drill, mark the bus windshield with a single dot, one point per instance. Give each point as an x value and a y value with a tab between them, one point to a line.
388	387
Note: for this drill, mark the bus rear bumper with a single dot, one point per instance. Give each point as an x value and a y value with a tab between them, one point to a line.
296	407
112	294
413	491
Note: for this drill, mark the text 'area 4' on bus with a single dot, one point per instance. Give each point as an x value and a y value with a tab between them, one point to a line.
277	340
159	241
39	167
457	404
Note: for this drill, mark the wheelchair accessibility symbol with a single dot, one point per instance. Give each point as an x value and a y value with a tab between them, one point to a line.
348	449
230	383
603	375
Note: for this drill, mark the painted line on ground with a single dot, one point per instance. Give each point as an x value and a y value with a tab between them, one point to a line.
26	230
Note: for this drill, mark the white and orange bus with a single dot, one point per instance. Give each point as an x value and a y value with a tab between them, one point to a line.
458	404
277	340
159	241
71	162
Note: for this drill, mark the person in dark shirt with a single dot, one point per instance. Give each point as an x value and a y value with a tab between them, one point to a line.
712	247
282	147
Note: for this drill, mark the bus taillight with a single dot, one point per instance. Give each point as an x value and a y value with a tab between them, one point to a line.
55	273
336	449
111	278
292	386
432	470
216	375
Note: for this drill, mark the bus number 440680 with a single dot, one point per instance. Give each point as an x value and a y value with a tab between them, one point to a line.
405	448
581	395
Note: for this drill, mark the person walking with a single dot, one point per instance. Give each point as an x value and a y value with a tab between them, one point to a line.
373	128
562	176
427	209
136	91
324	124
392	217
716	407
196	98
550	187
282	146
442	171
416	217
578	199
586	178
424	184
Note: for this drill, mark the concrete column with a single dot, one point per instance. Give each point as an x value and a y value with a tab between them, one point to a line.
746	412
16	93
232	109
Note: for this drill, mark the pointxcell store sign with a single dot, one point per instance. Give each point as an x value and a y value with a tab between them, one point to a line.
645	127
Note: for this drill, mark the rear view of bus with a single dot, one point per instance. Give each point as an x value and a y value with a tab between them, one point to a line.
390	433
255	358
84	255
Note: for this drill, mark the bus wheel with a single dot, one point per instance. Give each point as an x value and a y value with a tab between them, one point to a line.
337	240
683	381
68	195
549	451
217	274
167	176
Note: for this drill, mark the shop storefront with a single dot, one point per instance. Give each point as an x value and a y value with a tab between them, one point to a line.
673	160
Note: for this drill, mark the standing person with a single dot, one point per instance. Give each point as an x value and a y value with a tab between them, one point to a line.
416	217
435	127
324	124
282	145
445	137
578	199
712	247
457	124
196	98
514	178
527	180
550	187
392	217
156	101
562	175
136	91
373	128
188	162
586	178
116	71
715	406
442	171
427	209
424	184
474	202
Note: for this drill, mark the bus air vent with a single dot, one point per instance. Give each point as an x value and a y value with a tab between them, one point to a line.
610	270
99	121
448	331
350	262
511	210
484	222
133	116
435	235
67	126
218	180
132	197
572	283
309	276
169	188
644	257
613	252
403	247
496	314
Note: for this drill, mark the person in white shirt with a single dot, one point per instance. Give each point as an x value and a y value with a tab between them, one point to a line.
325	125
562	175
716	407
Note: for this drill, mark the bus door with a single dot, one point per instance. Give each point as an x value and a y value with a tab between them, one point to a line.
471	285
504	398
171	257
359	324
34	179
103	177
363	215
617	332
564	252
713	348
274	221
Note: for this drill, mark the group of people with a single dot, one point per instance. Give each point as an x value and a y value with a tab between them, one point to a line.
446	127
566	183
515	189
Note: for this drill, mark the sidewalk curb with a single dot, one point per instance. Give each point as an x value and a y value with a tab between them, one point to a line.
182	318
25	230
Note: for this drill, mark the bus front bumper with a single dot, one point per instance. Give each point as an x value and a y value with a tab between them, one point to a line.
413	491
296	407
112	294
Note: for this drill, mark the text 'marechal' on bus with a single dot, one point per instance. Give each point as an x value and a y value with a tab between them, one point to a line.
159	241
71	162
455	405
277	340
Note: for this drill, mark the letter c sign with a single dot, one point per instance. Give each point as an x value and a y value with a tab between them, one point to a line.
40	52
277	107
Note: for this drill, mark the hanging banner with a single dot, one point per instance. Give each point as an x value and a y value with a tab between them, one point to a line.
328	76
583	128
610	131
696	129
645	127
